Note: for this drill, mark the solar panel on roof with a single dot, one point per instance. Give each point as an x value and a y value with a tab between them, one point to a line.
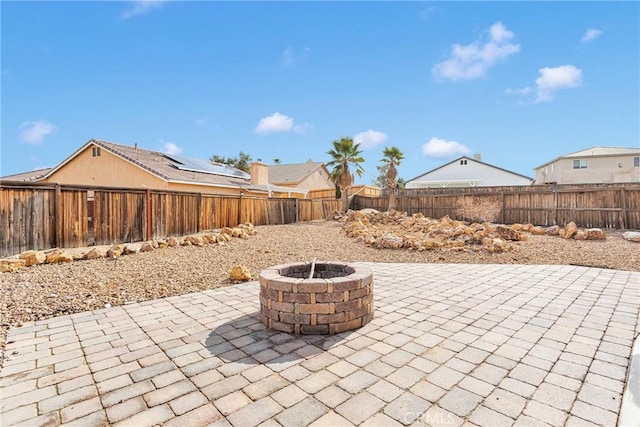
197	165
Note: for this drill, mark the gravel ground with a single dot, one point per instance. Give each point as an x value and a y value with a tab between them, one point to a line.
49	290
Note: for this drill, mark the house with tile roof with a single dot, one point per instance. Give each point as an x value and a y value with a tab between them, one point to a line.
592	165
107	164
468	172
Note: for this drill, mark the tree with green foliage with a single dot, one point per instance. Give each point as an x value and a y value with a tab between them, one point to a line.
343	154
276	161
381	180
392	157
242	162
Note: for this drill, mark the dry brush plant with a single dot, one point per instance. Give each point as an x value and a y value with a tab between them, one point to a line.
478	210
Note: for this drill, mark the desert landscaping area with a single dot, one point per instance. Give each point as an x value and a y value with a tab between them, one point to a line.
48	290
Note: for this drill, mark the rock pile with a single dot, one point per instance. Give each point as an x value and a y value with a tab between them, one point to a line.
397	230
52	256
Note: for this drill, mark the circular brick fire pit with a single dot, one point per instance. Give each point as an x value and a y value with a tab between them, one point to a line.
338	298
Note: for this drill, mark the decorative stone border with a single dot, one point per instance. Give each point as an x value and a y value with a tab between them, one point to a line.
339	298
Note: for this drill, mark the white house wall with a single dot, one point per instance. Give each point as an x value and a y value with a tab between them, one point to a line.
466	175
598	170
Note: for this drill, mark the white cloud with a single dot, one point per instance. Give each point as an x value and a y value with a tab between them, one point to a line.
171	148
473	60
302	129
441	148
274	123
590	35
140	7
34	132
370	139
289	57
522	91
427	11
553	79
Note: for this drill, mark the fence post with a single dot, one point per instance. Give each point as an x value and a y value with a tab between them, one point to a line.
240	209
58	215
623	214
554	212
433	206
147	211
297	206
503	207
199	210
282	210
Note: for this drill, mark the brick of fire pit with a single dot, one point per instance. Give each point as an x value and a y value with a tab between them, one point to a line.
339	298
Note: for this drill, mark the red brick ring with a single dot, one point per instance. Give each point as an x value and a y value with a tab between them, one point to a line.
338	298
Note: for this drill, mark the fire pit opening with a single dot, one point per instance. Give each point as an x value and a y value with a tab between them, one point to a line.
316	298
321	270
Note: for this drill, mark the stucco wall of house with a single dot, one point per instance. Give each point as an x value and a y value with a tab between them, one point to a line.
318	180
109	170
472	173
105	170
599	170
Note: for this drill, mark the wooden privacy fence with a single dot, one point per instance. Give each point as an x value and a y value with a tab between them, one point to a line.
600	205
47	216
42	218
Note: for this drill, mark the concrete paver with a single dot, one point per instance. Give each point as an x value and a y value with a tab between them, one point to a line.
449	344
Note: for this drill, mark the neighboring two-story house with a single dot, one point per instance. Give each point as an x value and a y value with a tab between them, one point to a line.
591	166
467	172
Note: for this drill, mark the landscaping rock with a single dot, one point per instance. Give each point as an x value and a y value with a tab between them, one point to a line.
632	236
131	248
115	251
173	242
146	247
194	240
33	257
59	256
569	231
389	241
580	235
11	265
95	253
596	234
240	272
554	230
537	230
508	233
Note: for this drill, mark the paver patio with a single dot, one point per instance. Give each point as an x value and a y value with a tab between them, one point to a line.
450	344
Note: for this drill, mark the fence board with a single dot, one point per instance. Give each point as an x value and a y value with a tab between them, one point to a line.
74	218
118	217
310	210
25	218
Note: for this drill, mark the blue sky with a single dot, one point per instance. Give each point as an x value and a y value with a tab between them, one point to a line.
519	82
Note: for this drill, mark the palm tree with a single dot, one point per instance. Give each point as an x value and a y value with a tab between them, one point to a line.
392	156
345	152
